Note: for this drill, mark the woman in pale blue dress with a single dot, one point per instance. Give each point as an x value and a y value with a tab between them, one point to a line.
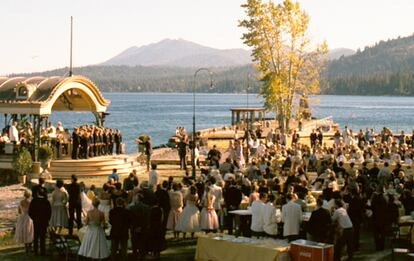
94	244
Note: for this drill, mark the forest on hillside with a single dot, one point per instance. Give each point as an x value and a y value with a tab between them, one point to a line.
386	68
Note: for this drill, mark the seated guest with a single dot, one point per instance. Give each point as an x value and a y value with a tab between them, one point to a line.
319	223
257	209
114	176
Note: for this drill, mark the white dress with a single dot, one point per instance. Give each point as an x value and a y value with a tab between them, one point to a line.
24	226
94	244
59	217
105	207
189	220
209	219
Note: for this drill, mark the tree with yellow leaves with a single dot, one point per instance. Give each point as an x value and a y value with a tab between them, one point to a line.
283	54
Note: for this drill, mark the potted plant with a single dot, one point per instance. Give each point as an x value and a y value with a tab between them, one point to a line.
141	140
45	156
22	164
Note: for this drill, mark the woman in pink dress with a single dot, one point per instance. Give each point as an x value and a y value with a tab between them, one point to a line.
209	219
24	226
176	203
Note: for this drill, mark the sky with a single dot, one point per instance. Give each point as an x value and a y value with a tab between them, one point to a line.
35	33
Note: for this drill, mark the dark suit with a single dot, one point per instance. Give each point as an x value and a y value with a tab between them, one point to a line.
164	202
40	212
118	141
75	205
75	143
232	200
319	225
140	217
120	219
182	152
355	212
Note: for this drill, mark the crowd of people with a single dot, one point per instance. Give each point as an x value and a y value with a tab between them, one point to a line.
366	182
92	141
84	142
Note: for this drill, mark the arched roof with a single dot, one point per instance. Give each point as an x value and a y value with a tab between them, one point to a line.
43	95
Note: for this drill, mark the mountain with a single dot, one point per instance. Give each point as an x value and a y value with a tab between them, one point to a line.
163	78
339	52
180	53
386	68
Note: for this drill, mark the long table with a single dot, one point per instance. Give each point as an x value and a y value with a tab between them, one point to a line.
217	248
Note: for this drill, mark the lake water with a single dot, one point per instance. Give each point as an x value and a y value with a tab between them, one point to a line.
158	114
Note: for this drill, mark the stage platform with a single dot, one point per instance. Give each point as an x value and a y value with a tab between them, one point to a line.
96	166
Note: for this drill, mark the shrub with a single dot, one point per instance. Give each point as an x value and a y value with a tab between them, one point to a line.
22	162
45	152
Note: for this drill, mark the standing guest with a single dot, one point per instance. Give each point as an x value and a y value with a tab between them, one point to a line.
111	139
148	152
130	182
40	188
269	218
214	156
182	153
164	202
232	199
120	220
114	175
118	192
176	203
189	221
40	212
156	234
91	193
292	218
153	177
75	204
75	143
94	242
344	228
24	225
105	200
140	218
355	212
208	219
217	191
379	214
118	141
59	200
257	209
14	133
319	223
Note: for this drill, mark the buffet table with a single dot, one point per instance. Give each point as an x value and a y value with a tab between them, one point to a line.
226	247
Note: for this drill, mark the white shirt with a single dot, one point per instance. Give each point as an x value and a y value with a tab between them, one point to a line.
13	134
269	219
257	216
153	179
292	217
342	217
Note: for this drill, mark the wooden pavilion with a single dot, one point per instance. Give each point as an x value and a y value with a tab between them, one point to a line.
33	99
247	115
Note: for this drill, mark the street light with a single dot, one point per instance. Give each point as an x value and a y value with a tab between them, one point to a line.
194	121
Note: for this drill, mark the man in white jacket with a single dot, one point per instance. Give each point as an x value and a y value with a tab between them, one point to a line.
257	215
14	133
269	218
292	218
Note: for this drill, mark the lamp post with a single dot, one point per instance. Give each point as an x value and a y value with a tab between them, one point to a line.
193	164
247	89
